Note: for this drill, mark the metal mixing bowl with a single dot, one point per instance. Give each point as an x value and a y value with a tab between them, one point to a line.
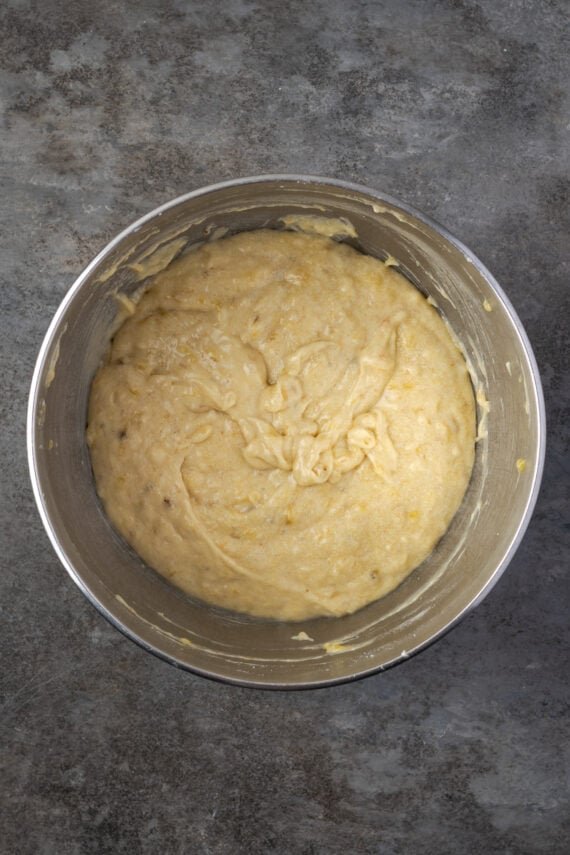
460	572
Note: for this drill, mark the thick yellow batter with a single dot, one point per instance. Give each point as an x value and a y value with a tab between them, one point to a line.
283	427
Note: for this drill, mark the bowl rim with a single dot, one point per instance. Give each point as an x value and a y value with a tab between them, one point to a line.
376	196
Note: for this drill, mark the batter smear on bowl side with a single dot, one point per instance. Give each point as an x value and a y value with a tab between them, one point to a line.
283	426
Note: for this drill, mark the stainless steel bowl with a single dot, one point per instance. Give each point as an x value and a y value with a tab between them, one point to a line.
467	562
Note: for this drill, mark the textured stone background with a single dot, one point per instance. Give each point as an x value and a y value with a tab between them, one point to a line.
109	109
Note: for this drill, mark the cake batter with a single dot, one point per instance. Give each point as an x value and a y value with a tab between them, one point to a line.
283	427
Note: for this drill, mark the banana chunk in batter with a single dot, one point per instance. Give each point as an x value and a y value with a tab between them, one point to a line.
283	426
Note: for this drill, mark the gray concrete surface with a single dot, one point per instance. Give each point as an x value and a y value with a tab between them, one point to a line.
109	109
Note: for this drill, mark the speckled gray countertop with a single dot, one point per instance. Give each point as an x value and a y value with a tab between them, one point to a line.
111	108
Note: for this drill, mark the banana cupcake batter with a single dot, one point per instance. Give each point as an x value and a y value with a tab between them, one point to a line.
283	427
